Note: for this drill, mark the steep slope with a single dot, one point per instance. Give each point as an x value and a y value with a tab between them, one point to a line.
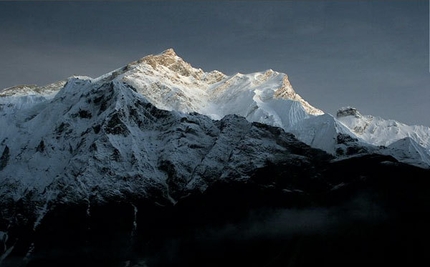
327	133
408	151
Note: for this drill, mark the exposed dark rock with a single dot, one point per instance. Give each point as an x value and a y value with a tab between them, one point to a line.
116	126
41	146
85	114
4	158
348	111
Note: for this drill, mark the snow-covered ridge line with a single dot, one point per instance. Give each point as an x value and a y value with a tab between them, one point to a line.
22	90
382	132
170	83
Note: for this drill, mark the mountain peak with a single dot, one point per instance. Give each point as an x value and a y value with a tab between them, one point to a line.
169	52
32	89
169	82
170	60
348	111
286	91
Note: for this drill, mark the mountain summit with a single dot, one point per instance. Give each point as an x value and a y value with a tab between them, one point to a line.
187	89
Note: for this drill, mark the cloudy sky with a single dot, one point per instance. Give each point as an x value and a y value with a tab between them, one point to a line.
373	55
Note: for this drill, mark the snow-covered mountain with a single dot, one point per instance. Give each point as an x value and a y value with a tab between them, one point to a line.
265	97
170	83
409	151
100	134
144	118
100	139
382	132
409	144
159	130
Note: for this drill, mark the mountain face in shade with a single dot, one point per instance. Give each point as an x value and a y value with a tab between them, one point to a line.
157	149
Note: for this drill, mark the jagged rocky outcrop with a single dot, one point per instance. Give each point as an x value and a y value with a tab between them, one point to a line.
348	111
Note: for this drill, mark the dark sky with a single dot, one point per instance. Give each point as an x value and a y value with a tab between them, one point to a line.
373	55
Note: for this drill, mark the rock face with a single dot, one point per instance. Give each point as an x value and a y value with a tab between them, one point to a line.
348	111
